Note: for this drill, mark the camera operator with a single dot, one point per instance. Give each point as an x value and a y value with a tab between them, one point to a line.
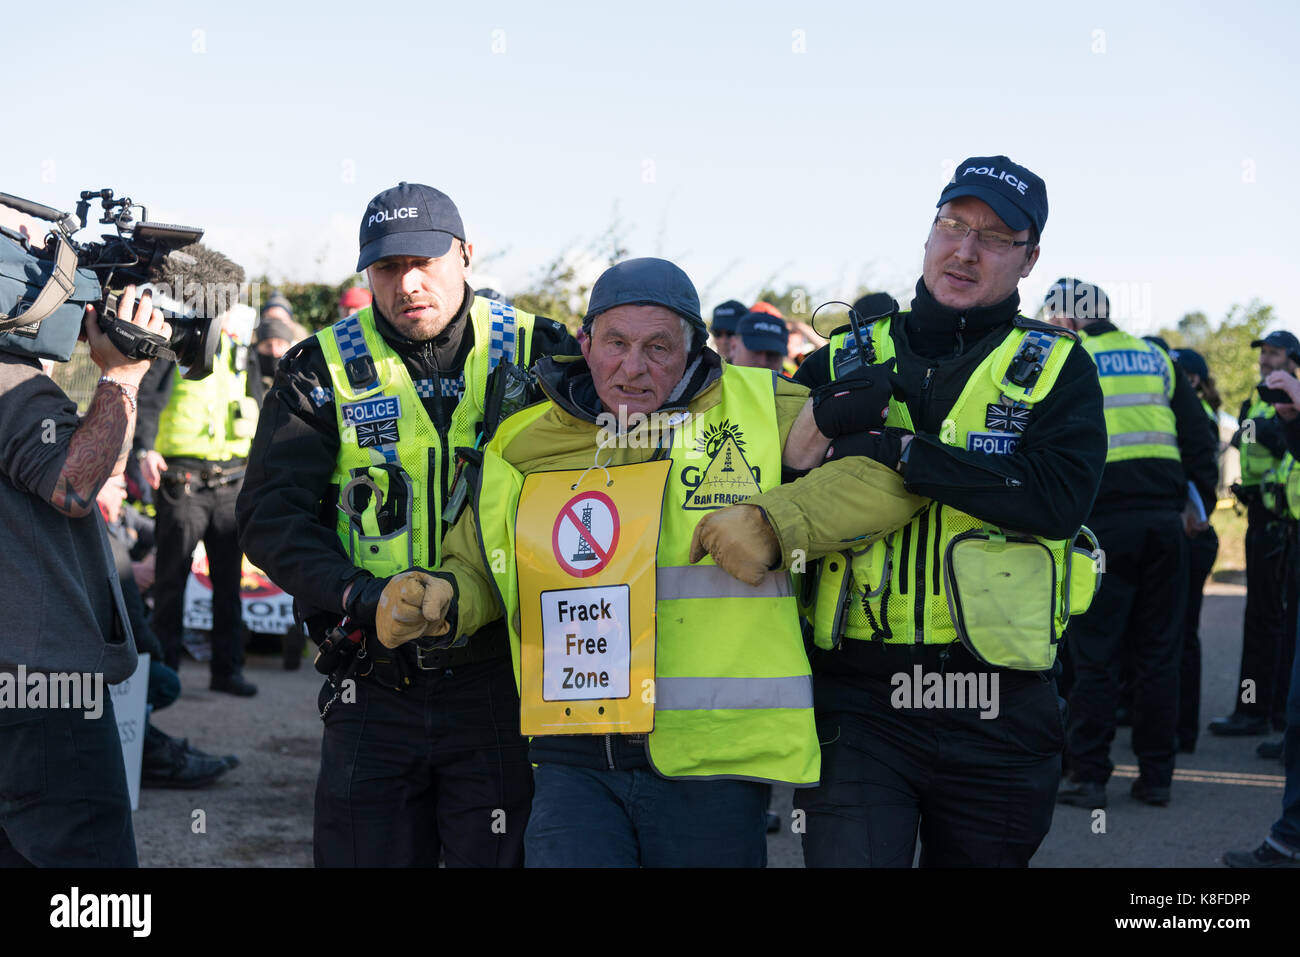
62	605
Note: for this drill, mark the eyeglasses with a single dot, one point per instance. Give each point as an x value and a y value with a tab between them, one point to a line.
957	231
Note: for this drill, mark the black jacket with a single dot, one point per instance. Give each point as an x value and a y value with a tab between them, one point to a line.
1162	483
286	509
1046	487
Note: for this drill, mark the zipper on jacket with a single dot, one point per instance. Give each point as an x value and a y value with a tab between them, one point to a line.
937	553
925	397
908	532
609	751
918	600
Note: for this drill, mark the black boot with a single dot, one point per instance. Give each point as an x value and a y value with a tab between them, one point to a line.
166	764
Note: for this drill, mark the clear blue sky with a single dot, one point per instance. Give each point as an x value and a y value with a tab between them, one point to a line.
1167	136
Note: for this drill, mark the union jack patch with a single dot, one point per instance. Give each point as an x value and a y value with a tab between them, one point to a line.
370	434
1006	418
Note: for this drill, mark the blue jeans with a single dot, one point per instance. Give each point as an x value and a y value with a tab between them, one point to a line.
164	685
63	796
588	818
1286	830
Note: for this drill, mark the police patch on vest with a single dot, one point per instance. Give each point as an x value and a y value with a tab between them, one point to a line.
370	434
728	478
377	409
992	443
1006	418
1128	362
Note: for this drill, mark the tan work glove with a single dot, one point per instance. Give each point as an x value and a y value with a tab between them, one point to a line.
740	541
412	604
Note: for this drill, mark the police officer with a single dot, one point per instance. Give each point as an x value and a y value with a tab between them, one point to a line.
352	472
1000	424
1158	437
725	319
760	342
1203	548
192	441
1281	846
1268	629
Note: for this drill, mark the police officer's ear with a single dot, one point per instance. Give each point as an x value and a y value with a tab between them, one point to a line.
466	251
1029	261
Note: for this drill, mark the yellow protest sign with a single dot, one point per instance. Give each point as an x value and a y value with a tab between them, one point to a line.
585	547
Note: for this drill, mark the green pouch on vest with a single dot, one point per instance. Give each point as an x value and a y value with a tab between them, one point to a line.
1082	576
1002	596
378	504
1292	491
871	567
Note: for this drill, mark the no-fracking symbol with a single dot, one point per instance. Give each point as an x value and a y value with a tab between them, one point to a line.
585	534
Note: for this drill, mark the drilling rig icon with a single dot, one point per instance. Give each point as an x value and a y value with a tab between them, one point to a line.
584	552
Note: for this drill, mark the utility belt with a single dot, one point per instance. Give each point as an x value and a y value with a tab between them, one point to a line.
348	651
195	472
421	657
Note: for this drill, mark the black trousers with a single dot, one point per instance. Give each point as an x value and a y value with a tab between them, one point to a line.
1268	629
1139	607
1201	552
63	795
979	792
187	516
440	768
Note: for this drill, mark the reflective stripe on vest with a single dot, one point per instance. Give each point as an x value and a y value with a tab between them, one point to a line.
1137	383
902	574
415	455
733	688
200	420
714	694
710	581
1134	398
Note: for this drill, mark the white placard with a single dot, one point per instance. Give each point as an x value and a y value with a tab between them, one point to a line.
129	700
586	645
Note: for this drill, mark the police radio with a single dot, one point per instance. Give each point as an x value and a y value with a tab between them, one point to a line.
857	351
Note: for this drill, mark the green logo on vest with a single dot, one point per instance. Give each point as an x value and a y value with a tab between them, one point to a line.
728	478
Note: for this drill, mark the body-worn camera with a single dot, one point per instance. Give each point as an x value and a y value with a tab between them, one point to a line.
44	289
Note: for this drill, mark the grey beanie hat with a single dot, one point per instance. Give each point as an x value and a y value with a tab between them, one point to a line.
646	282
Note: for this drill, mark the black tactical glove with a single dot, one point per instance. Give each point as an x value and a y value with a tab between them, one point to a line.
363	599
883	445
857	402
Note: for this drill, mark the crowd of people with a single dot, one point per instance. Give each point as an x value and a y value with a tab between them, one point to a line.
920	569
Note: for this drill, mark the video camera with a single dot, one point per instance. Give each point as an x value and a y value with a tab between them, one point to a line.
44	289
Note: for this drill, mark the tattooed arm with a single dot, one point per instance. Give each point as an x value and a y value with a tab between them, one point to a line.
97	449
100	443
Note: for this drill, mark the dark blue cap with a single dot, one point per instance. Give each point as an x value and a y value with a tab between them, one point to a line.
409	220
645	282
1076	299
1192	362
727	315
762	332
1018	196
1283	340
